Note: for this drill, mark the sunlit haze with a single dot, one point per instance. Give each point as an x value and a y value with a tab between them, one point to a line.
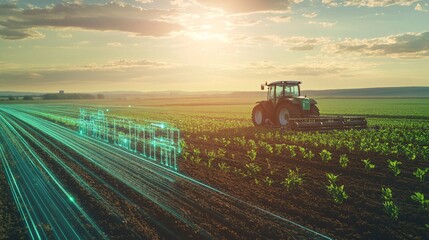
212	45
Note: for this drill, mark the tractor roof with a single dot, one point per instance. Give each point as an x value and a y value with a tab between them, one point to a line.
283	83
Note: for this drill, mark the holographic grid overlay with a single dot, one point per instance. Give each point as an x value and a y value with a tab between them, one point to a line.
157	141
93	124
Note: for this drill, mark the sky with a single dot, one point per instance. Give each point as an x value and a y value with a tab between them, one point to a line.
212	45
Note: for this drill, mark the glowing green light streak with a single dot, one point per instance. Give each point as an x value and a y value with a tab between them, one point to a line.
16	193
47	204
76	177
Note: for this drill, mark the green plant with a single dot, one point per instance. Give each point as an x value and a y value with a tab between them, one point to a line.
269	181
421	174
368	165
309	155
196	156
278	148
225	142
252	144
389	206
306	154
291	151
302	151
394	166
185	156
240	141
332	178
183	145
221	152
252	168
223	166
391	209
251	154
386	194
293	179
337	192
420	198
344	160
268	149
211	155
325	155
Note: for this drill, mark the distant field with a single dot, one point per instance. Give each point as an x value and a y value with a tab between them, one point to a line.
377	111
376	107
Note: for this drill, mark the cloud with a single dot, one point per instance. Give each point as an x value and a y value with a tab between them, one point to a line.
184	3
65	35
17	23
246	6
370	3
306	69
279	19
96	75
242	22
300	43
404	46
323	24
15	34
7	65
126	64
294	43
310	15
330	2
408	45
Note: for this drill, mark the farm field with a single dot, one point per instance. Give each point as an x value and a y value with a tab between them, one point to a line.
235	181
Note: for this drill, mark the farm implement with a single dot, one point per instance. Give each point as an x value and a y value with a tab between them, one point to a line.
286	108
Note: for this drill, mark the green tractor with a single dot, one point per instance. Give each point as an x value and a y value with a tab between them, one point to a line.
285	107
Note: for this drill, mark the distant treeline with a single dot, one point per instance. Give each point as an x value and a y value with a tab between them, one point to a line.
61	96
13	98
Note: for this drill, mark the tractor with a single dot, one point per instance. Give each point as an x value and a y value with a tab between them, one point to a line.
286	108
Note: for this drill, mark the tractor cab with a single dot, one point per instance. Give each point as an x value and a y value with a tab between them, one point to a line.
282	89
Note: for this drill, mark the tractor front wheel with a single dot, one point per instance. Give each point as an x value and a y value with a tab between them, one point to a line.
258	116
284	112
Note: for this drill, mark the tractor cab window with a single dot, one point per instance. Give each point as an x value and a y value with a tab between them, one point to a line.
271	93
279	91
292	90
287	91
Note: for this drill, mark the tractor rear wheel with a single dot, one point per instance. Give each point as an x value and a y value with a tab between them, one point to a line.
314	110
284	112
258	115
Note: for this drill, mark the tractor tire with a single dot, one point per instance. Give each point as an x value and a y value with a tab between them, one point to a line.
258	116
314	110
286	111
